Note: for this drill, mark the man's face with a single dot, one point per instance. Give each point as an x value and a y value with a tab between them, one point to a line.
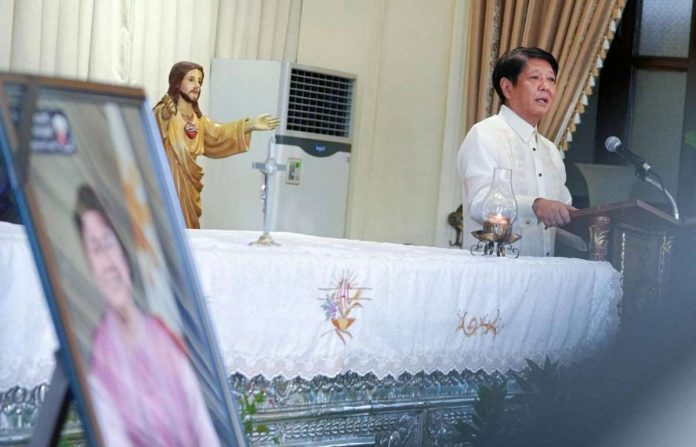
532	95
191	84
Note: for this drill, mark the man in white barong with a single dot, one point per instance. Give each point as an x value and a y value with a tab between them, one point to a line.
525	80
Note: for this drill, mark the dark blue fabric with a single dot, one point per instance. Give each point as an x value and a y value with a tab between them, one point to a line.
8	209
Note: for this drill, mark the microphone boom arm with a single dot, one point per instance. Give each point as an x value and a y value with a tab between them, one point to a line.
658	184
643	170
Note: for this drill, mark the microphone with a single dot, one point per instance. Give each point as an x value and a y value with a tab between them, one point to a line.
613	144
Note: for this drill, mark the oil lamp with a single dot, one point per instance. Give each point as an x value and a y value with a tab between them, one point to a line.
498	212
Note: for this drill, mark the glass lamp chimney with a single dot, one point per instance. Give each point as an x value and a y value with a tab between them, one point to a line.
499	208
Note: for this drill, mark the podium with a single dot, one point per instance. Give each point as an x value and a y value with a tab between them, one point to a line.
638	240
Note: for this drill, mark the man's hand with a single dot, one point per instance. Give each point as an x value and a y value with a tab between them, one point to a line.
552	212
168	107
265	121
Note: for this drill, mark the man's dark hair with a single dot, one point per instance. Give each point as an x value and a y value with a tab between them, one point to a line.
511	64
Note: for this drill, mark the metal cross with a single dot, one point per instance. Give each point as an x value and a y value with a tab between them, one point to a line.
268	168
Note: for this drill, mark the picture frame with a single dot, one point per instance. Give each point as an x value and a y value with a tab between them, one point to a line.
94	192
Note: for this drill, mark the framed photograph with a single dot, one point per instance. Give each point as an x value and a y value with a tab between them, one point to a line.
93	189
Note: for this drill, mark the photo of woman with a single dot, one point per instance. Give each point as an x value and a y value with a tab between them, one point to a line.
143	387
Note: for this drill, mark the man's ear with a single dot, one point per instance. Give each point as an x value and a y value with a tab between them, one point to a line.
506	87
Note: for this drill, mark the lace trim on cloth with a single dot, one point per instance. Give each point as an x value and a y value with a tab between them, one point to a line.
270	311
411	303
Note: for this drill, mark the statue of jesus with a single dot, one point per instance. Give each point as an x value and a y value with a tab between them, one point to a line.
187	133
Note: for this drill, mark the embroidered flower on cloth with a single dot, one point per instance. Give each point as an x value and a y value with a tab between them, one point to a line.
482	324
339	301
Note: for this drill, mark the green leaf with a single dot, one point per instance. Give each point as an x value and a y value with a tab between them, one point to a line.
533	366
690	138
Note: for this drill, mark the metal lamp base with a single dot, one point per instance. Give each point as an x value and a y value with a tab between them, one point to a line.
265	240
491	243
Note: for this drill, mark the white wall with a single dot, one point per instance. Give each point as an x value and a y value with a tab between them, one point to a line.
402	53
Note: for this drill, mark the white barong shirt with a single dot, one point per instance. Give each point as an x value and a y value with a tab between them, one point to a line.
506	140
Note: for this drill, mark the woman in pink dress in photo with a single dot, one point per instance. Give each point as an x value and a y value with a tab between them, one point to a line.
142	385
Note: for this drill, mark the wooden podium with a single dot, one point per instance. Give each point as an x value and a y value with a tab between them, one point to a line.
637	239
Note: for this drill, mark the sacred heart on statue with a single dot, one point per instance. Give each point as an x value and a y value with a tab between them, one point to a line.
191	130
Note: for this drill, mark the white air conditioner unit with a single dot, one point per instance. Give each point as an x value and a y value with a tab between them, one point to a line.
314	140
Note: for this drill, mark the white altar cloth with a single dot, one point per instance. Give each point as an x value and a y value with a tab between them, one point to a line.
405	308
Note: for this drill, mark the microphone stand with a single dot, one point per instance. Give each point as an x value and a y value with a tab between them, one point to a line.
656	181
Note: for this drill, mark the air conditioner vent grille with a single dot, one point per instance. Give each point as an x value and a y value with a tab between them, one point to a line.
320	103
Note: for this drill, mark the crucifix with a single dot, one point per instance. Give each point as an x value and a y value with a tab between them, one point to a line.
268	168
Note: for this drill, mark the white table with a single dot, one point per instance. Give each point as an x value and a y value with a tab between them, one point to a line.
423	309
